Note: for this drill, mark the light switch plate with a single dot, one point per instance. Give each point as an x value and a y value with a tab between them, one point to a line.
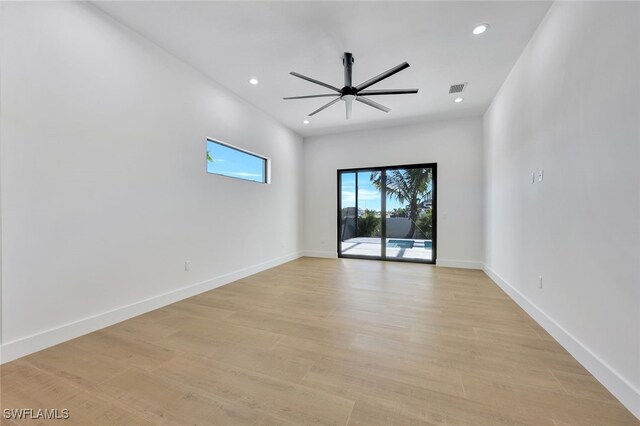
540	175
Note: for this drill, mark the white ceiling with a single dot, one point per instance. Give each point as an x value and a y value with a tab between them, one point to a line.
233	41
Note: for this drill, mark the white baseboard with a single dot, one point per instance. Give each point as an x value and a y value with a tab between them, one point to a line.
317	253
452	263
626	393
36	342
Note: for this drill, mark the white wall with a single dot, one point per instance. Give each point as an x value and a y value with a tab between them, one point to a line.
455	145
571	106
104	189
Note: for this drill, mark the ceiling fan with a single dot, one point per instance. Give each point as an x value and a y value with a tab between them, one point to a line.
349	93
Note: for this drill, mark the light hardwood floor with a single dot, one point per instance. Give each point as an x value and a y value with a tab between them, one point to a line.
321	341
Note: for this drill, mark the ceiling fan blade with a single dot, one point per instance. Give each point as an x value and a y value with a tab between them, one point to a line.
387	92
347	61
348	104
324	107
372	104
313	80
382	76
312	96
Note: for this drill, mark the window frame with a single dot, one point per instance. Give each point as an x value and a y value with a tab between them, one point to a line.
266	162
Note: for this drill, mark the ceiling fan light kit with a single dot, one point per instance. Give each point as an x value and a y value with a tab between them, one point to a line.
350	93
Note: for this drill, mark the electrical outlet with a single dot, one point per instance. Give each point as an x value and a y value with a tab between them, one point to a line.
187	265
540	281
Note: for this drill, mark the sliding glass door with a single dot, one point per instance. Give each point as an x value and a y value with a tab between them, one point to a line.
388	213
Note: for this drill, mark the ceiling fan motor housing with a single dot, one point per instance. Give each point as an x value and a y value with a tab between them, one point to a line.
349	90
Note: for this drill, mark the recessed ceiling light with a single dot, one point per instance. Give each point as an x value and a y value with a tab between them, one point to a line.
305	122
253	81
480	29
458	100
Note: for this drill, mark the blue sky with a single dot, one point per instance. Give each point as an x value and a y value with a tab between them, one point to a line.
230	162
368	196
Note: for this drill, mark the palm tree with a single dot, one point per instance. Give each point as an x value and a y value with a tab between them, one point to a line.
406	186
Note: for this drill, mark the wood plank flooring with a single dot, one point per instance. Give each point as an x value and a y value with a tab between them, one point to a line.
320	341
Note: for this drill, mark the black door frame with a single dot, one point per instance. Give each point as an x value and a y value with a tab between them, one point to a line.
383	207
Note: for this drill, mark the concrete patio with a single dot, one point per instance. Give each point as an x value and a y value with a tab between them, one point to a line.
399	248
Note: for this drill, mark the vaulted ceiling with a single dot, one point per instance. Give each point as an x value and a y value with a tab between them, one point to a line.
232	42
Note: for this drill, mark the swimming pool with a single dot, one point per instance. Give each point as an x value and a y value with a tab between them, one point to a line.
400	243
409	244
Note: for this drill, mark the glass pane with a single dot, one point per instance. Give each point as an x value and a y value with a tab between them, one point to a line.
348	212
408	219
228	161
361	215
369	216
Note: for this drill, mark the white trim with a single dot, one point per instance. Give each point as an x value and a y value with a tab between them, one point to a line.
36	342
626	393
452	263
318	253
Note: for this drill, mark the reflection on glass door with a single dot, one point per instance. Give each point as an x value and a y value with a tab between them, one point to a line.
388	213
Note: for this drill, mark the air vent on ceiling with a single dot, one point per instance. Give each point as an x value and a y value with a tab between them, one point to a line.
457	88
